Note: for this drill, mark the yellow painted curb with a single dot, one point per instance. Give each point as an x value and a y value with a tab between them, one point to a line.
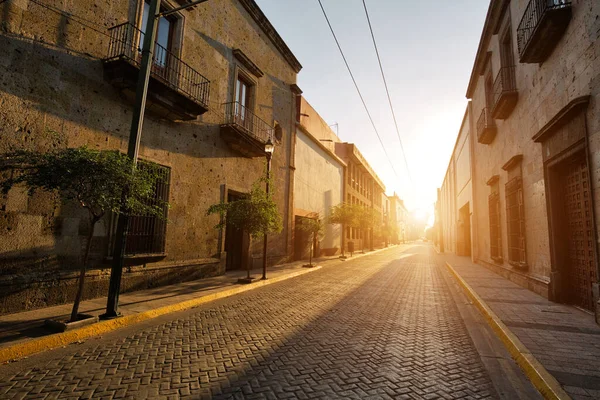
545	383
20	350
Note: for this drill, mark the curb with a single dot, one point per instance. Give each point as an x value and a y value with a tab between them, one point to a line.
544	382
30	347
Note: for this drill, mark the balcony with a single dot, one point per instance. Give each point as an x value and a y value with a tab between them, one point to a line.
175	91
486	127
540	29
244	131
505	93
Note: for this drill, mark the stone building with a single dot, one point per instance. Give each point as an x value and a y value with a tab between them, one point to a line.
456	202
535	119
318	181
398	218
363	187
222	83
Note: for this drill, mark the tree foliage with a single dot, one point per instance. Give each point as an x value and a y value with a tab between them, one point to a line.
369	218
313	226
255	213
95	179
346	214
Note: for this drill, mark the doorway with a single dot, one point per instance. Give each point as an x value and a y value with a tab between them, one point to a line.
464	231
237	242
301	240
574	231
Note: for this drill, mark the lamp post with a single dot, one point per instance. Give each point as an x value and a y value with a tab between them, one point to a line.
269	148
135	134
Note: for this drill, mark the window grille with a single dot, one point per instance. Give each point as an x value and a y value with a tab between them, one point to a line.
515	222
146	234
495	230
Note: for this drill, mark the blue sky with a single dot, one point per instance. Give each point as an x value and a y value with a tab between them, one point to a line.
427	50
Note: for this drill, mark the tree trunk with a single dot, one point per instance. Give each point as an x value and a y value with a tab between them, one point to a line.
312	247
88	245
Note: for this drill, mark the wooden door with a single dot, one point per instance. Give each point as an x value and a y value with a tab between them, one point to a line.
580	257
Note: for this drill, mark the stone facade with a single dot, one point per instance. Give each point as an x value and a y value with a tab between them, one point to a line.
318	181
55	93
399	217
535	124
456	203
362	187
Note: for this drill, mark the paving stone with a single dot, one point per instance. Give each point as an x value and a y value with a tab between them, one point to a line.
376	327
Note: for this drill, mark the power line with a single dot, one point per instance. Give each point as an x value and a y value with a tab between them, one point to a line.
358	90
82	21
387	92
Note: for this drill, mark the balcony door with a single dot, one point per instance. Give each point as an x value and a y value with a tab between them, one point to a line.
164	40
242	100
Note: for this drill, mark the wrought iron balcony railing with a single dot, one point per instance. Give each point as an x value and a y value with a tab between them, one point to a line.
125	43
505	93
542	24
241	118
486	127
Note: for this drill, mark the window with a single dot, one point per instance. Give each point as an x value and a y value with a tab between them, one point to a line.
495	229
515	216
164	37
147	234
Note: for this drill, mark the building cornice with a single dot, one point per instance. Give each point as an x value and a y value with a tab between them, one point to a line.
513	162
264	23
492	21
492	180
247	62
564	115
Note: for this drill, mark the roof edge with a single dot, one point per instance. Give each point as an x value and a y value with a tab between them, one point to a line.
495	11
263	22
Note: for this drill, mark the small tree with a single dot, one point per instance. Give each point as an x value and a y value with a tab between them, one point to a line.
255	213
347	215
368	219
316	229
94	179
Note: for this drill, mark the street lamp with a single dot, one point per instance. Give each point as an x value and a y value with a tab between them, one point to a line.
269	149
116	272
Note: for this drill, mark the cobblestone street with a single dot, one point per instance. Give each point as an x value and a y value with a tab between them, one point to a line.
381	326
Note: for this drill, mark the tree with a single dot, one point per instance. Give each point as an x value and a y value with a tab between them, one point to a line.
94	179
369	219
316	229
347	215
255	213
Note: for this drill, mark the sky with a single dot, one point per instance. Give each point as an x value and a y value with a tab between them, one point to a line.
427	49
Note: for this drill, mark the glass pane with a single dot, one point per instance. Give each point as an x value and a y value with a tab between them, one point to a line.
144	24
162	41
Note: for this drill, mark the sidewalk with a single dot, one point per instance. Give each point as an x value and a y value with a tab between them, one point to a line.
20	328
565	340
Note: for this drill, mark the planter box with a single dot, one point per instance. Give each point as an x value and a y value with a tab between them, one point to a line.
62	326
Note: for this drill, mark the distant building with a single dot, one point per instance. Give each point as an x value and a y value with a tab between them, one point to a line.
456	202
318	181
362	187
533	125
398	218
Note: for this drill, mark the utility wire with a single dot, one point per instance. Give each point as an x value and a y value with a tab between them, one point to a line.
387	91
357	89
82	21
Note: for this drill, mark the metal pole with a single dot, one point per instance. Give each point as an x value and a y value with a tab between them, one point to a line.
265	237
132	151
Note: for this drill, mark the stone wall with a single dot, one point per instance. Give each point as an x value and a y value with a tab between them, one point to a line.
53	94
456	190
319	175
572	70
